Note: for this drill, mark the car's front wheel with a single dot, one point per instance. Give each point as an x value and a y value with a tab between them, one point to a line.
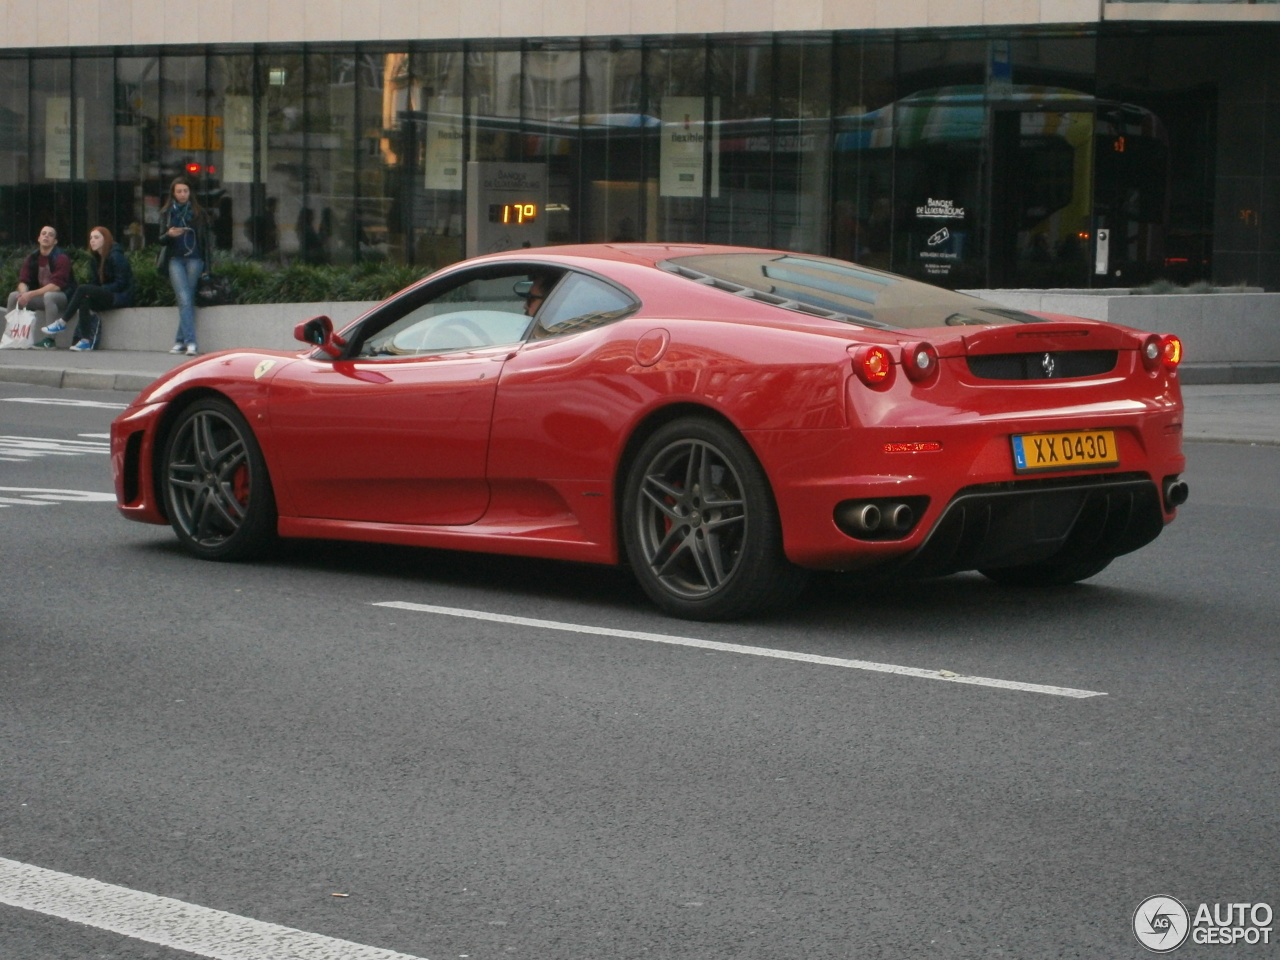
216	487
700	526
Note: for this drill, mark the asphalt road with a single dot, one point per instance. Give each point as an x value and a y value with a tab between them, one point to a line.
255	739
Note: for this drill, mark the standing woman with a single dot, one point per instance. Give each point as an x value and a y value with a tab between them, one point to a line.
184	231
111	286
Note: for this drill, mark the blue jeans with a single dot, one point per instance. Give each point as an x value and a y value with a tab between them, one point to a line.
184	274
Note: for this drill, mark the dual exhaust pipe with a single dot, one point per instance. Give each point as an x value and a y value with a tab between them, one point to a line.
875	519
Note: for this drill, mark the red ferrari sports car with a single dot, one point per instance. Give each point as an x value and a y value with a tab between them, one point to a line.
720	419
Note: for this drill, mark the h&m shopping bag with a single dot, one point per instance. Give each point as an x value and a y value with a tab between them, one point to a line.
19	325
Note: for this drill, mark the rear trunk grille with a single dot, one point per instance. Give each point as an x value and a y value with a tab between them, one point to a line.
1029	521
1043	365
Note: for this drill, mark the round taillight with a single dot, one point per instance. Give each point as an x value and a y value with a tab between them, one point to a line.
873	365
1161	351
1152	348
919	361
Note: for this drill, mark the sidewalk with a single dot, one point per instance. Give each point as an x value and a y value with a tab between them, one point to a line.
1230	413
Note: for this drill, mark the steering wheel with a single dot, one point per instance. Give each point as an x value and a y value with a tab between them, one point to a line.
476	333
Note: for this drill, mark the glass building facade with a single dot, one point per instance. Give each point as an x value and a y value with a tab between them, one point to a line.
1112	154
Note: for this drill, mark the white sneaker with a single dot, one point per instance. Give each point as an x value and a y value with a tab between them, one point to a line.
56	327
177	348
191	350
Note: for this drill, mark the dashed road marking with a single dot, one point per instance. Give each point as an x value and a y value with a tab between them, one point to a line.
917	672
43	497
168	922
21	449
66	402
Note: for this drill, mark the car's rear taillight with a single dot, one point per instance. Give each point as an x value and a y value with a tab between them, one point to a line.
873	365
920	361
1161	350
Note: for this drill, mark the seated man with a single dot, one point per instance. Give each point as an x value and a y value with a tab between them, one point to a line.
45	281
540	286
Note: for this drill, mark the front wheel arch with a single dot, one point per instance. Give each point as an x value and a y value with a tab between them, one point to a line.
214	482
164	430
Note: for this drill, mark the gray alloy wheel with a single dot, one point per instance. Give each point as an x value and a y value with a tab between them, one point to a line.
700	526
216	487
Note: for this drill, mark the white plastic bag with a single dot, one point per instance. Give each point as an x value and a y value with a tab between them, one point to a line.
19	326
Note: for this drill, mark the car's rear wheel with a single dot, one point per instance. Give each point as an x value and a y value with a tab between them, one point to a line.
700	526
216	487
1048	573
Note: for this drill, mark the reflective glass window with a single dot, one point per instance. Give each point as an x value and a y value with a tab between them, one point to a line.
801	143
93	79
58	143
862	218
552	110
440	174
581	303
138	145
15	154
615	194
323	226
234	159
382	97
282	158
688	151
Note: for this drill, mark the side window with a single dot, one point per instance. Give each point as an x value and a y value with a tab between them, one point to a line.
476	312
581	303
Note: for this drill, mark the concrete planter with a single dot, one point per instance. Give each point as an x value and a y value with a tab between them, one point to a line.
270	325
1227	337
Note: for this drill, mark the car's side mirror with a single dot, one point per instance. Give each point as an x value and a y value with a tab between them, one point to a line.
318	331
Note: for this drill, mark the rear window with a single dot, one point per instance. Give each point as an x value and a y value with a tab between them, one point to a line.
839	290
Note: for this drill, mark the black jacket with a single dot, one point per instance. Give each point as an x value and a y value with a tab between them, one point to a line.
117	277
204	240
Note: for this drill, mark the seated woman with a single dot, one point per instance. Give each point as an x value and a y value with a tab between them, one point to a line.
113	288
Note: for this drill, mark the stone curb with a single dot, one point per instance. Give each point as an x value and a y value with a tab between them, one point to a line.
77	379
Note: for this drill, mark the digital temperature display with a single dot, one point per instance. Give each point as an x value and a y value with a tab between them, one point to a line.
513	213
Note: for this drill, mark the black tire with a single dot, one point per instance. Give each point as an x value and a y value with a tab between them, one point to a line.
1047	573
700	526
216	488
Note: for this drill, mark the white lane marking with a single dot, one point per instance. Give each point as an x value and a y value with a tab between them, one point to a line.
168	922
43	497
30	448
945	675
95	436
65	402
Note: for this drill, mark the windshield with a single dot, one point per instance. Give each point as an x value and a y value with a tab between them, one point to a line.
841	290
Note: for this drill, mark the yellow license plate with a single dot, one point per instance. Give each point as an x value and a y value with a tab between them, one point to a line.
1064	451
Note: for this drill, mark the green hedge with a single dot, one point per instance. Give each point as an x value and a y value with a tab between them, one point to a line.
251	280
